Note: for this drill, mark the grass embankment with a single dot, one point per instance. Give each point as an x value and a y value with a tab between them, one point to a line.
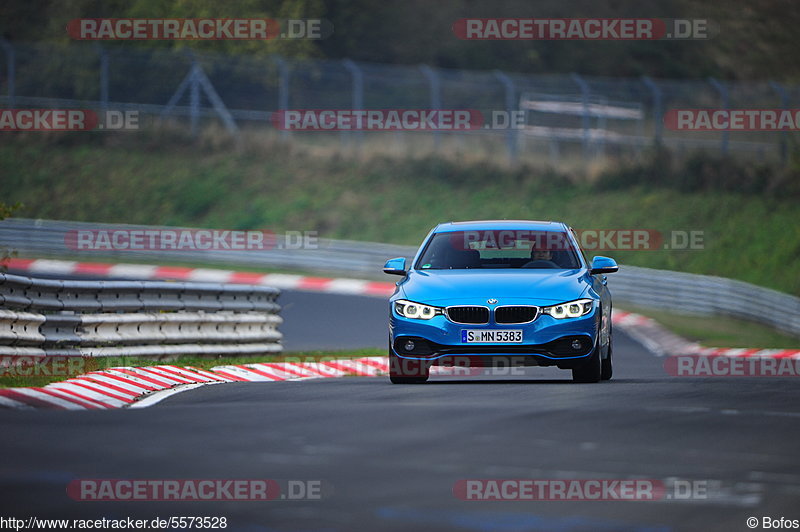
748	214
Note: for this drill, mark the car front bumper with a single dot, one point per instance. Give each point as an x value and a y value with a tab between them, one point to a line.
546	341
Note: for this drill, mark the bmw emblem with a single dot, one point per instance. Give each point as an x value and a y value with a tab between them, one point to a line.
491	301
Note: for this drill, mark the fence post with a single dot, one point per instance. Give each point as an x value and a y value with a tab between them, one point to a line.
723	93
194	98
194	81
216	102
188	80
283	88
103	77
658	110
436	96
511	104
10	71
585	118
358	92
784	134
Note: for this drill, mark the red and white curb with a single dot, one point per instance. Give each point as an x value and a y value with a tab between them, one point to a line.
652	335
331	285
663	342
138	387
741	352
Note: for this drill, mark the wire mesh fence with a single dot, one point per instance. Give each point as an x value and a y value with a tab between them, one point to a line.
559	116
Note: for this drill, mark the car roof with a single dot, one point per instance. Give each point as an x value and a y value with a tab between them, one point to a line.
488	225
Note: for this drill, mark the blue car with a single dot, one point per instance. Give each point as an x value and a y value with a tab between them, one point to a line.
500	293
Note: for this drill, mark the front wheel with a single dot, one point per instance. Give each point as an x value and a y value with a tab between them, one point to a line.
607	370
407	371
591	371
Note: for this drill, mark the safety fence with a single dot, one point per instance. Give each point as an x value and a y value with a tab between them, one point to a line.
565	116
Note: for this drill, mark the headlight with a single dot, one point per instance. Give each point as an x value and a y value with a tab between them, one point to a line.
409	309
571	309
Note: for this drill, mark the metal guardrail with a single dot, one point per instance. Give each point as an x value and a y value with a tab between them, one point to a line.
706	295
663	289
44	317
47	239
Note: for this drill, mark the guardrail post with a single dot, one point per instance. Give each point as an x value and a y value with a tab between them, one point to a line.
511	104
585	118
658	110
358	92
726	104
436	96
10	71
283	88
784	134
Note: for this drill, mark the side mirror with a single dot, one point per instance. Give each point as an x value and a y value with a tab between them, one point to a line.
395	266
603	265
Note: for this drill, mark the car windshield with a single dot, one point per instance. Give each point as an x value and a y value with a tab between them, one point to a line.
495	249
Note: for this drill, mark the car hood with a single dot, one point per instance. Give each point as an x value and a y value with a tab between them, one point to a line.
476	286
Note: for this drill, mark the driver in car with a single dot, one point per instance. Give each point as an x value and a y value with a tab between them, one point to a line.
541	254
541	258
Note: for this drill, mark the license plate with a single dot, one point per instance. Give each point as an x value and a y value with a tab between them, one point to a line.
480	336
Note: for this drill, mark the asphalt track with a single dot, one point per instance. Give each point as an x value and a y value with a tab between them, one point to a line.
389	456
316	320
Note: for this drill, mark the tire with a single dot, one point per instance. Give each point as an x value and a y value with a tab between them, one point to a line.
407	371
591	370
606	368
